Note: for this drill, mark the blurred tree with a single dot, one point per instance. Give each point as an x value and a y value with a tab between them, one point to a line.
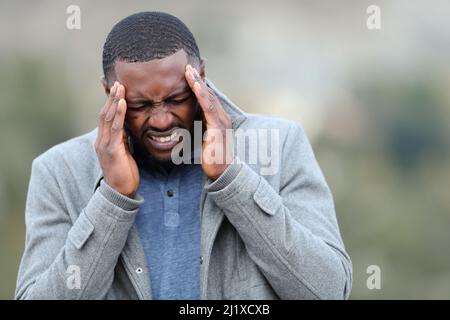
36	112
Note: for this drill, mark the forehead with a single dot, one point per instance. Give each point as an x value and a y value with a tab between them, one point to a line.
152	79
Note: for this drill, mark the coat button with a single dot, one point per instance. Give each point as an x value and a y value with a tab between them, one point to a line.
201	260
169	193
139	270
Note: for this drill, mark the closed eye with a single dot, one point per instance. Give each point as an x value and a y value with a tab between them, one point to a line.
177	101
138	107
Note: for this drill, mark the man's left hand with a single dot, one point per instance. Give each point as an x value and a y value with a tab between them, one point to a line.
217	147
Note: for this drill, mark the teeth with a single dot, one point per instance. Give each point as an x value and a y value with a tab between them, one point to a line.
166	138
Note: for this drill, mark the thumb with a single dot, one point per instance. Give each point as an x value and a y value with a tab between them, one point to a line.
128	142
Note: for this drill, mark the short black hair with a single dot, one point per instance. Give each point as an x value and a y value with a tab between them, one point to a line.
146	36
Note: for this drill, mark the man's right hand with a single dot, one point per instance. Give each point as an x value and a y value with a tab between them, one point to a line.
119	168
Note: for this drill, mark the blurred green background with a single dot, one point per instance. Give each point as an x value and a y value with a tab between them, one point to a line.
375	105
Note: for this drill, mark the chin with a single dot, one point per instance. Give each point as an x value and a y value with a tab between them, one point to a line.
146	152
166	158
160	157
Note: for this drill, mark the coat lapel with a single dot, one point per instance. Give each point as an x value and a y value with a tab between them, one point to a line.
211	215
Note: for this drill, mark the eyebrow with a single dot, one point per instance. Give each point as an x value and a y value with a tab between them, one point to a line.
180	92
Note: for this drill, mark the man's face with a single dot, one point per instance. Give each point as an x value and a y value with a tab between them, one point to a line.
159	100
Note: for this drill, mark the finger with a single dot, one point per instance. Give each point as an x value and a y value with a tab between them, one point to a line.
109	117
121	93
117	128
117	125
125	139
215	107
208	103
214	101
213	112
103	113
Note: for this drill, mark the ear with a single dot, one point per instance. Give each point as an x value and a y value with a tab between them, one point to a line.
202	68
105	85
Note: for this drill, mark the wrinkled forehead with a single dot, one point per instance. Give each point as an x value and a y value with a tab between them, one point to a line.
152	79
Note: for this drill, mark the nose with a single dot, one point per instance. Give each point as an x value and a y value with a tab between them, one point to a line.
161	119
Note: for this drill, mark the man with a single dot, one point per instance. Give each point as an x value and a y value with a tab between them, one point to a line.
115	214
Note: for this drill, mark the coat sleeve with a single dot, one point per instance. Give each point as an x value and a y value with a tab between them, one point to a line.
292	233
65	259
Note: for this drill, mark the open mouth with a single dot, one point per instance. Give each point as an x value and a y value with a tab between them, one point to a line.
168	138
164	143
